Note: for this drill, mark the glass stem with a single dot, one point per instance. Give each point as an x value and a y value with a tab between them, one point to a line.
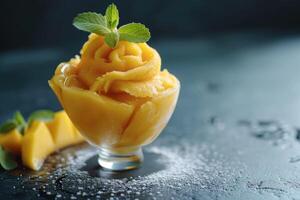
118	161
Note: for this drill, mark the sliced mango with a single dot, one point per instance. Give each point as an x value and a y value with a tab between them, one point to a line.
37	145
12	141
43	138
63	131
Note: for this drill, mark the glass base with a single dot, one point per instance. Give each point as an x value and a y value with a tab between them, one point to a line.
120	161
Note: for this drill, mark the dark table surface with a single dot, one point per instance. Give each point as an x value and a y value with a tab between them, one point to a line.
235	133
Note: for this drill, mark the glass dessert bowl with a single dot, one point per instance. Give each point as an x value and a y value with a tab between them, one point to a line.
118	98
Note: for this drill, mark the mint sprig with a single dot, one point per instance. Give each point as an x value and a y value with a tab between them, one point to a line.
107	27
7	161
8	126
19	122
134	32
41	115
112	16
111	39
91	22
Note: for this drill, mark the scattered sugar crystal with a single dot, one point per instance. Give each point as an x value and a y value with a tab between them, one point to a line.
84	194
185	166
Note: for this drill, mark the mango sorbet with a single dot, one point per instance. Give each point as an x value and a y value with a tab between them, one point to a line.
118	98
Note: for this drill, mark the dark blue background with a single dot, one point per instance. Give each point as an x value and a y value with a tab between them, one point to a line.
35	23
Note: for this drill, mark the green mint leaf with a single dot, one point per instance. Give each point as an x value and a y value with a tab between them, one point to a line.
21	123
107	27
8	126
6	160
19	118
115	23
112	16
41	115
91	22
134	32
112	39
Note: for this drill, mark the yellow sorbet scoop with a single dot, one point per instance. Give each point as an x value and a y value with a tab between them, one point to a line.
118	98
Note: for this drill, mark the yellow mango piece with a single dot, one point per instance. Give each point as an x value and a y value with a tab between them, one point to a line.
37	145
63	131
12	141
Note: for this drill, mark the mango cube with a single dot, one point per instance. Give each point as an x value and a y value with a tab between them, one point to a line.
12	141
37	145
63	131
